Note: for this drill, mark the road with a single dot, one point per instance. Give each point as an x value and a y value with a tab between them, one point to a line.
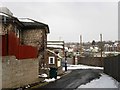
73	80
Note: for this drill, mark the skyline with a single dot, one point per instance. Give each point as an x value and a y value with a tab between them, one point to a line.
69	20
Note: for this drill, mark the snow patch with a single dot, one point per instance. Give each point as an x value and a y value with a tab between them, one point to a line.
72	67
58	77
50	80
42	75
104	81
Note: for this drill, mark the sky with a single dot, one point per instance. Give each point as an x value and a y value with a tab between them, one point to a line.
68	20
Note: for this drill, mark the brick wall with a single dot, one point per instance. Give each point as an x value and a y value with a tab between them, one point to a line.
16	73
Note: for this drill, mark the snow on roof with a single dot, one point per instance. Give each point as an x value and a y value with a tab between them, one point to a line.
54	53
6	11
3	14
53	43
25	20
55	46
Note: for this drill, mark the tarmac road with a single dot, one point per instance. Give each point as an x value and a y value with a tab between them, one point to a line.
73	80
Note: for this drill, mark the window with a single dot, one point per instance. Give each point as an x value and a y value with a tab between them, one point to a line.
51	60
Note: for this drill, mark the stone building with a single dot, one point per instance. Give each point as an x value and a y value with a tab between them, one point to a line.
16	58
34	33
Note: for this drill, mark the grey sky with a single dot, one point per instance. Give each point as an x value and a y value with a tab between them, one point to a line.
67	20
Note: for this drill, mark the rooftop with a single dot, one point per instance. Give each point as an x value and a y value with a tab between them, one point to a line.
32	24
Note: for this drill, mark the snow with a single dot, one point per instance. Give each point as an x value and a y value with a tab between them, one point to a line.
25	20
53	43
58	77
104	81
52	80
43	75
55	46
72	67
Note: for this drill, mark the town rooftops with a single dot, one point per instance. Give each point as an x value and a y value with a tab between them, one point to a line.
32	24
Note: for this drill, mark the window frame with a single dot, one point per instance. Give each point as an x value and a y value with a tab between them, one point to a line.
53	58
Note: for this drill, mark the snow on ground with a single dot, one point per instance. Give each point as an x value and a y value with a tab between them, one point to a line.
72	67
104	81
43	75
51	80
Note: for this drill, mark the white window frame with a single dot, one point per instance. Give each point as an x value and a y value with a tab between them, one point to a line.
53	60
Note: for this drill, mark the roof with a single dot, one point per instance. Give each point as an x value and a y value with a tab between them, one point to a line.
6	18
31	24
54	53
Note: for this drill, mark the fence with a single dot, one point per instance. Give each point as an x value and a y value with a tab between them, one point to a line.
112	67
111	64
94	61
11	46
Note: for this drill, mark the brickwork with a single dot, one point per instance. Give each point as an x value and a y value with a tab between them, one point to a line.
16	73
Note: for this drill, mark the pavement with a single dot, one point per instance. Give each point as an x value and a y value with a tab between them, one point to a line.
39	84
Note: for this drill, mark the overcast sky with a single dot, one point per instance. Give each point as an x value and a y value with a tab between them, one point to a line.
69	20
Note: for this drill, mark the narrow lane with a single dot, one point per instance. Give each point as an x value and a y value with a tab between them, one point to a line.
73	79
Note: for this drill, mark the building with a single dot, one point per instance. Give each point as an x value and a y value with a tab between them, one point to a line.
17	58
54	61
34	33
57	46
23	49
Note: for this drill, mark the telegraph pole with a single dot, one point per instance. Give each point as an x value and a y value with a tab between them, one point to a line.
101	45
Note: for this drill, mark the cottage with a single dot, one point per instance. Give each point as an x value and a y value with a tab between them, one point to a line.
54	61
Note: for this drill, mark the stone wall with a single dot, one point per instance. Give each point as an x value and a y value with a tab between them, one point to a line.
37	38
17	73
33	37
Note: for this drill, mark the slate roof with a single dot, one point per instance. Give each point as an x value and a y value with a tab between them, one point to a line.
32	24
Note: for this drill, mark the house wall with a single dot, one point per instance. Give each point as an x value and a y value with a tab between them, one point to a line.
37	38
11	44
17	73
